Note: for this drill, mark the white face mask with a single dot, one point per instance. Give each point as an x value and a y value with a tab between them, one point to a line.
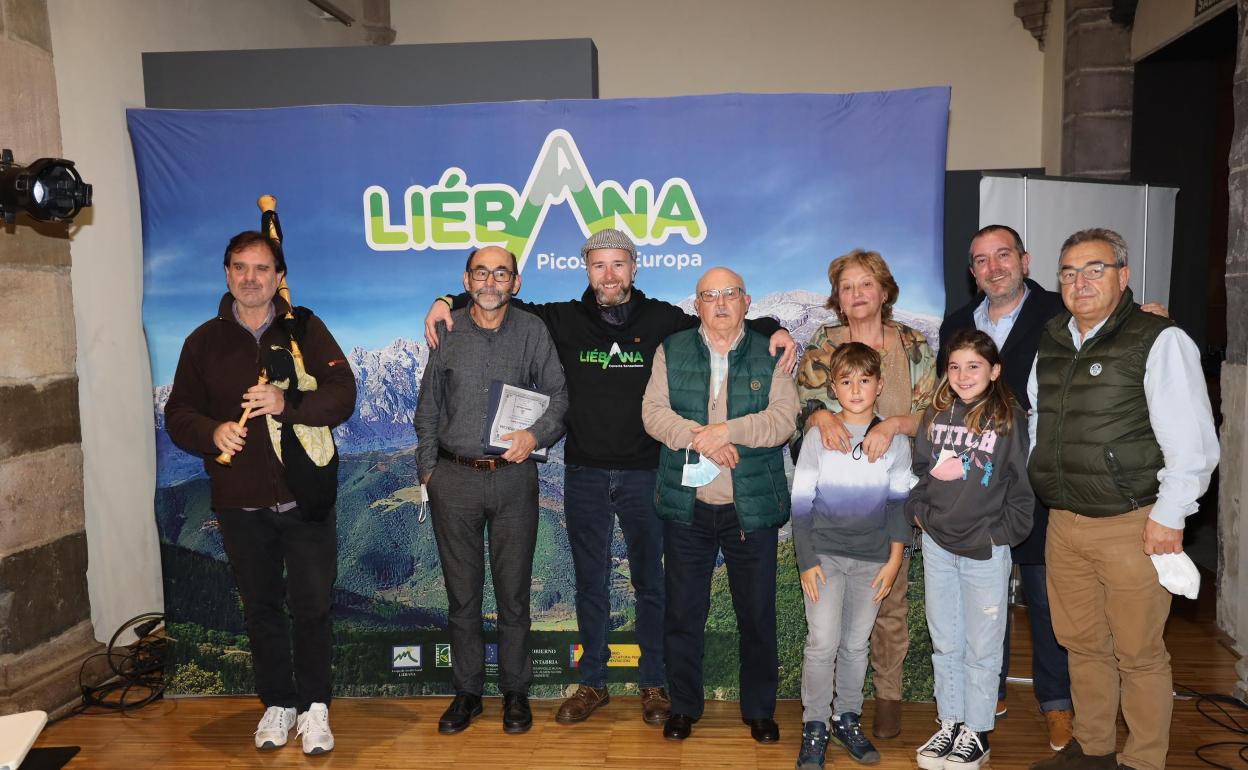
698	474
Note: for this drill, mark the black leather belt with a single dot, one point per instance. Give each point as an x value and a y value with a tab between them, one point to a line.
476	463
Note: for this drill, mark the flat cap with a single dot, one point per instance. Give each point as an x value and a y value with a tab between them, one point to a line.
609	239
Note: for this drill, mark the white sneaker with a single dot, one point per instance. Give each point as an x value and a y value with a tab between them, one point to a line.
931	755
970	750
274	727
314	727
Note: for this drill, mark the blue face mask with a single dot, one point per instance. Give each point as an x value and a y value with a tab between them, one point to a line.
698	474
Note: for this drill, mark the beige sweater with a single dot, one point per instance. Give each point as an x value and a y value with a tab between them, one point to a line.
770	427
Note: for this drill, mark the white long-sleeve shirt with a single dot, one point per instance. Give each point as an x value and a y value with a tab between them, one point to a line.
1182	420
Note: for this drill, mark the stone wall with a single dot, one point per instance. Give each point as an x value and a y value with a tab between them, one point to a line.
45	626
1097	93
1233	471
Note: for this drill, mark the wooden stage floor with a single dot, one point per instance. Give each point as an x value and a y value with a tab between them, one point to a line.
399	733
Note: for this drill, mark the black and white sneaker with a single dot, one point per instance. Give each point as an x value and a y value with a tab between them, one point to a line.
970	750
931	755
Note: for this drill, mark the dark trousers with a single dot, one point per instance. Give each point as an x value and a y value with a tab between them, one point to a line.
690	552
281	562
1050	676
466	504
593	499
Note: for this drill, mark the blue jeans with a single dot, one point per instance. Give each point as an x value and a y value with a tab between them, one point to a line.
966	611
1050	675
839	625
593	498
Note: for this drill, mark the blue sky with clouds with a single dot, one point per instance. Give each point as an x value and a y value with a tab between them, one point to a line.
785	183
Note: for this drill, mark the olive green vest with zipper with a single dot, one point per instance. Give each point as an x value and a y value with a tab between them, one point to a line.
1095	452
760	490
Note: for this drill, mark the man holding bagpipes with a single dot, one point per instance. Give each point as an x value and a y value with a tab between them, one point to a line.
274	478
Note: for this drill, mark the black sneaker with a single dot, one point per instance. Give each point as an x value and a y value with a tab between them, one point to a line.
847	731
931	755
814	746
970	750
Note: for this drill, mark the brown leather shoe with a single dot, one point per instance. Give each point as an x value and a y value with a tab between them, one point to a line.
1061	728
581	704
887	722
656	707
1071	757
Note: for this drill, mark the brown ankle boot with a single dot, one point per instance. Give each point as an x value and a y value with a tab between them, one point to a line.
887	722
1071	757
581	704
656	707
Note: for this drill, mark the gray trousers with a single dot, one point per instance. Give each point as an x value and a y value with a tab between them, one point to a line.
838	633
465	505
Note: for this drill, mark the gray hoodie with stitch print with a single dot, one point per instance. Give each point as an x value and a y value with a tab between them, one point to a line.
973	490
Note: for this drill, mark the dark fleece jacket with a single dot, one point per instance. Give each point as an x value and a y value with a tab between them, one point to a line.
220	360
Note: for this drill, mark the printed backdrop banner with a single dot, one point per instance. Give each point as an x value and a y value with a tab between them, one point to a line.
380	206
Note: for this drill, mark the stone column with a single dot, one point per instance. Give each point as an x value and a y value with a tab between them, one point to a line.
1097	95
376	21
1233	471
45	626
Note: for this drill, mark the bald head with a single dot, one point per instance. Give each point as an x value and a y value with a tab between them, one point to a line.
722	314
490	277
719	277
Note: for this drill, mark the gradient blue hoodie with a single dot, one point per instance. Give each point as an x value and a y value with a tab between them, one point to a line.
844	506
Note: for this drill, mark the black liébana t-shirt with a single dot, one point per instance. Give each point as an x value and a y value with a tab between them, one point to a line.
607	368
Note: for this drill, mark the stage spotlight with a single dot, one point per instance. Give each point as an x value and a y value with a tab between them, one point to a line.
50	189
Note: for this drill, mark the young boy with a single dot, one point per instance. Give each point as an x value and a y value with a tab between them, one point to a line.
849	530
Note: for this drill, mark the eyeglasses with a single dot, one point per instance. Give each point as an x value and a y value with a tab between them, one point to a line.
1093	271
728	293
501	274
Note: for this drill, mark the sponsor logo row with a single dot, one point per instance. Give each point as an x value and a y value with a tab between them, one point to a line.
411	657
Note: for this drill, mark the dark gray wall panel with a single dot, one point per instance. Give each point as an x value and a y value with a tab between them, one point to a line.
443	73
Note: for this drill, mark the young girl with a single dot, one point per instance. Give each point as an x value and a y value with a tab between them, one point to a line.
973	501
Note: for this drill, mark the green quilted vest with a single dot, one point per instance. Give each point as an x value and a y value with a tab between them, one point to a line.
759	489
1095	450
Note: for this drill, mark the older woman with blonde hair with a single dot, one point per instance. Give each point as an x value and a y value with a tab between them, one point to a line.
863	295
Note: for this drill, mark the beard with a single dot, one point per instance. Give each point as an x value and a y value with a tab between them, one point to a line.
488	298
612	297
1004	291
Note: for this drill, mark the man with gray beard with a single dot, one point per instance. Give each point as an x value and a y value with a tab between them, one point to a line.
469	494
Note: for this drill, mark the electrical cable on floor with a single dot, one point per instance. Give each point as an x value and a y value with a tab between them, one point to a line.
1231	724
139	668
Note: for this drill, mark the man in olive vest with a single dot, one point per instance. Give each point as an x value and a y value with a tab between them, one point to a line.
1123	445
721	408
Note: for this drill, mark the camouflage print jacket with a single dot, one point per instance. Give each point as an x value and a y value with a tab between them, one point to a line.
814	380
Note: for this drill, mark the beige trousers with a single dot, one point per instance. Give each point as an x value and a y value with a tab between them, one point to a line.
1109	611
890	637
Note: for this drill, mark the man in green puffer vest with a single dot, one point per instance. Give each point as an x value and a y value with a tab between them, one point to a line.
721	408
1124	444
